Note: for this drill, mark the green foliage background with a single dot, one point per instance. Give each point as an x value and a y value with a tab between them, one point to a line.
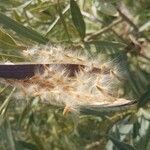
93	27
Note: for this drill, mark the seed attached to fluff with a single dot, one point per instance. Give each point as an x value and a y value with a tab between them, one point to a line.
90	83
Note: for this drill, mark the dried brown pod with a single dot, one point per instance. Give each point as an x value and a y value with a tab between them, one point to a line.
75	86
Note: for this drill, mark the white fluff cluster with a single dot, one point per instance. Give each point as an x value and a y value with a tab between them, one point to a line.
86	87
51	54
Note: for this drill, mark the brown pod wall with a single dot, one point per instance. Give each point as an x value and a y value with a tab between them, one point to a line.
18	71
26	71
23	71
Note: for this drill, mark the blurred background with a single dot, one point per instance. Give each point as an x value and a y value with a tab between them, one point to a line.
112	28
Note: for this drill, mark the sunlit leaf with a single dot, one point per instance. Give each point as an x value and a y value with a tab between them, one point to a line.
144	142
6	41
121	145
6	102
105	7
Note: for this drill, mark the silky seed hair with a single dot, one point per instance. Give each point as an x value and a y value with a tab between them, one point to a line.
56	87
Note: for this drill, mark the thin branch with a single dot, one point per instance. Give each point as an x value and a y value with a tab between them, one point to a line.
130	45
137	32
105	29
124	17
97	20
57	20
143	56
63	20
92	18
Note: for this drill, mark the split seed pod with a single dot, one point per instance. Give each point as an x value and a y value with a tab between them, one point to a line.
66	79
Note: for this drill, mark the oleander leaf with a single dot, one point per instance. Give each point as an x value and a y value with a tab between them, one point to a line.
120	145
29	33
77	18
145	98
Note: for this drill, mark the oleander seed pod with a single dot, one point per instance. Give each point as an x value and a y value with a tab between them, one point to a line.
66	78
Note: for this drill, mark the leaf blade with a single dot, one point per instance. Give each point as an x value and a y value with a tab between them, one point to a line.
121	145
144	99
77	18
22	30
7	41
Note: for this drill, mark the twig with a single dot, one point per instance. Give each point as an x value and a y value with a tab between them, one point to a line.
97	20
137	32
124	17
92	18
141	55
94	35
56	20
119	36
63	20
130	45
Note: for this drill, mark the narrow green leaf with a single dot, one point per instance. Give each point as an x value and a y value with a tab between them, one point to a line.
143	142
144	99
145	113
136	127
13	57
25	145
63	20
57	20
3	89
4	107
120	145
77	18
106	46
7	42
9	135
105	7
25	112
133	84
5	104
20	29
6	38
